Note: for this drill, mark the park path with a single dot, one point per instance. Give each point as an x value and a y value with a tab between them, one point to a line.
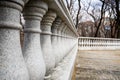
98	65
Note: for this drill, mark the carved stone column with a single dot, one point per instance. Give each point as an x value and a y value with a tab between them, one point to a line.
63	39
33	13
54	40
46	40
73	39
12	65
59	32
67	40
59	40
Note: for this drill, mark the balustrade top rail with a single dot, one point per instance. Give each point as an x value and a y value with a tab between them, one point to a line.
98	38
63	12
91	43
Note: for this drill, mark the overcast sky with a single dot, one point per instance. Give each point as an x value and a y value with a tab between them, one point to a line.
84	3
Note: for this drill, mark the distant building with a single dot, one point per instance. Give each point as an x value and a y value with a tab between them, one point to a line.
86	29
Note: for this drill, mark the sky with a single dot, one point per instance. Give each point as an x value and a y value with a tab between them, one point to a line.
84	3
85	16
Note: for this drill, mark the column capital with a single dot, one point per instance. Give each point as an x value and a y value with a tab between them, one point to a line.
33	13
65	26
15	4
35	9
61	26
49	18
10	13
56	24
47	22
63	31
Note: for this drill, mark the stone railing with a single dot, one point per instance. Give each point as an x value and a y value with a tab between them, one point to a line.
90	43
48	42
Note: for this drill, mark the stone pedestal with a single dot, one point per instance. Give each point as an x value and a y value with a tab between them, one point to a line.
33	13
46	40
12	65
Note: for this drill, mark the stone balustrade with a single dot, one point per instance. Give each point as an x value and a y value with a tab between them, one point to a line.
47	46
90	43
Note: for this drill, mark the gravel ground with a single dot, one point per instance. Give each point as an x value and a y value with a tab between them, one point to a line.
98	65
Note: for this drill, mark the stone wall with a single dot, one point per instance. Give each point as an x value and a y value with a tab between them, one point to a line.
49	40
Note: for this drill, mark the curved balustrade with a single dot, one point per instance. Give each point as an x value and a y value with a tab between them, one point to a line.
49	45
90	43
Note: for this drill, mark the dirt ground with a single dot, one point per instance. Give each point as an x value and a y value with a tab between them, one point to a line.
98	65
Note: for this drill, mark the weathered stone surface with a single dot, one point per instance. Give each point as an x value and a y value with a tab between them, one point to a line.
64	70
32	52
46	40
59	38
12	65
54	39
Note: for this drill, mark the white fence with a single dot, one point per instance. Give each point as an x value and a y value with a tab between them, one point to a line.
90	43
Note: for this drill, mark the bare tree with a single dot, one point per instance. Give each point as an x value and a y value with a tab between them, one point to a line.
75	13
97	18
78	13
112	21
70	5
92	13
101	17
117	29
114	10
